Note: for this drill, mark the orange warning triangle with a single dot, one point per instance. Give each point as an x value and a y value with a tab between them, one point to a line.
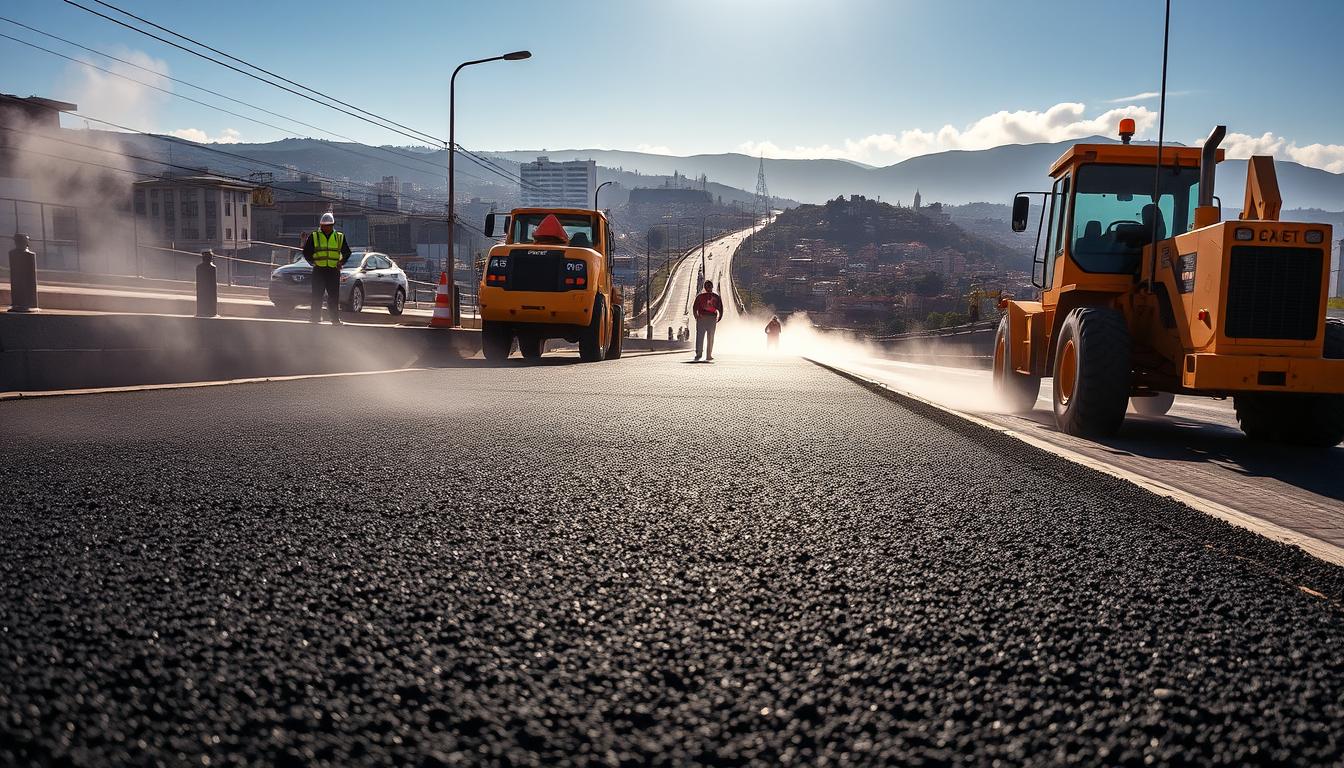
549	230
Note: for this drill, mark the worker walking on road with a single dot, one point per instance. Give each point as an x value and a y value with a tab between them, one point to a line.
708	313
772	330
327	251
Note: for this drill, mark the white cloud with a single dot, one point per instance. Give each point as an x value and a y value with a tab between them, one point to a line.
226	136
653	149
1145	96
1327	156
1061	122
117	99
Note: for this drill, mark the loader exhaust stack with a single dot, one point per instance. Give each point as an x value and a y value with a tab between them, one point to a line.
1208	159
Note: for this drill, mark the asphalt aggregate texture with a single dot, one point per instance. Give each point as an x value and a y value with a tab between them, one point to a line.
625	563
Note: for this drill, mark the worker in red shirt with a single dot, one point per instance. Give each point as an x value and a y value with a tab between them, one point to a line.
708	312
772	330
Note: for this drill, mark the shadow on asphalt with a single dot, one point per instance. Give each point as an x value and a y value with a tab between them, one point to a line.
1183	440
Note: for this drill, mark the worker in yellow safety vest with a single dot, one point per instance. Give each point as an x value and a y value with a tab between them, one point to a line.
327	251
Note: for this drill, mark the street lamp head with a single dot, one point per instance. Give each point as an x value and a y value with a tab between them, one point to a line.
517	55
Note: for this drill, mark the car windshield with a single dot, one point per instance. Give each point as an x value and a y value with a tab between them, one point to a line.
578	227
1113	213
355	259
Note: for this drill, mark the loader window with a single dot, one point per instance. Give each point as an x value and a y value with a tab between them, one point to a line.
576	226
1054	240
1113	213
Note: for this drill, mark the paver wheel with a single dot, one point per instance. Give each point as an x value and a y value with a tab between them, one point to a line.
1092	372
1016	391
1299	419
531	345
1156	405
617	333
496	340
592	344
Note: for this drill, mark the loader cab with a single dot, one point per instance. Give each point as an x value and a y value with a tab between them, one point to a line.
1100	214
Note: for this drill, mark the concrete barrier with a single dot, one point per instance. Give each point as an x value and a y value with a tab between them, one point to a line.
69	351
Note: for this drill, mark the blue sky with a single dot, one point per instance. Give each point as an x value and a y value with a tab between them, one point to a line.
872	80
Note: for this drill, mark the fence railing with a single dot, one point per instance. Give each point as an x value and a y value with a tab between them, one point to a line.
61	237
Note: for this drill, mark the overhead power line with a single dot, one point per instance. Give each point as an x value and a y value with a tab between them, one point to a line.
151	86
356	115
263	70
203	89
483	162
478	161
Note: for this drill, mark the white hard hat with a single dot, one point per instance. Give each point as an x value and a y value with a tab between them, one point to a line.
327	218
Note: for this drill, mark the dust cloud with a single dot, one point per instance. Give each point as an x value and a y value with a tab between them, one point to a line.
914	370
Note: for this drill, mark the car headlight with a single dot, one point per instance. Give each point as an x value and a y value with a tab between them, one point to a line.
344	277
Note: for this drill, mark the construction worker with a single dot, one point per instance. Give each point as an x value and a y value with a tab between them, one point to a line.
708	312
327	251
772	330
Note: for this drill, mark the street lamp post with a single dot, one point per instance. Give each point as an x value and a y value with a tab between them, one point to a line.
452	147
599	189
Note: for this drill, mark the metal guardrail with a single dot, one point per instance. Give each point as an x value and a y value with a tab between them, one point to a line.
53	230
938	333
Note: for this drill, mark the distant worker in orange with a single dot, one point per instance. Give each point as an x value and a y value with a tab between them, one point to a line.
772	330
708	312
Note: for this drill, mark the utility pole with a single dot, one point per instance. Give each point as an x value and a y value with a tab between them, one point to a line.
648	309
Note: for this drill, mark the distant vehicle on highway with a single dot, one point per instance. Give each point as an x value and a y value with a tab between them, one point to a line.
367	278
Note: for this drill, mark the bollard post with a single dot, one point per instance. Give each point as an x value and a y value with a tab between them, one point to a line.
457	306
207	287
22	276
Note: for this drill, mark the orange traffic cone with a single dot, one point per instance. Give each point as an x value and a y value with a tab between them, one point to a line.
443	305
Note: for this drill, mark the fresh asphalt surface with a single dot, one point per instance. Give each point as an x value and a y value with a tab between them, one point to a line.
1197	447
637	561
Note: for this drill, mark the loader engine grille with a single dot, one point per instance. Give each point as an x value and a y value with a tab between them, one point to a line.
535	270
1273	293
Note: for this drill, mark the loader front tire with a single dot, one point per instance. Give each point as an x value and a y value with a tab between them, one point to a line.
1092	372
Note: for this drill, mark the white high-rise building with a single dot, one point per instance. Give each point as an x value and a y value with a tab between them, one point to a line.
569	184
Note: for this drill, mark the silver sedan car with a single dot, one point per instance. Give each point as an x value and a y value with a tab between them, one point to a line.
368	278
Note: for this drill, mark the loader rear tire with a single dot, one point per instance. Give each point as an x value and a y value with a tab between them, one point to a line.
617	333
496	341
1296	418
591	346
531	345
1017	392
1092	372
